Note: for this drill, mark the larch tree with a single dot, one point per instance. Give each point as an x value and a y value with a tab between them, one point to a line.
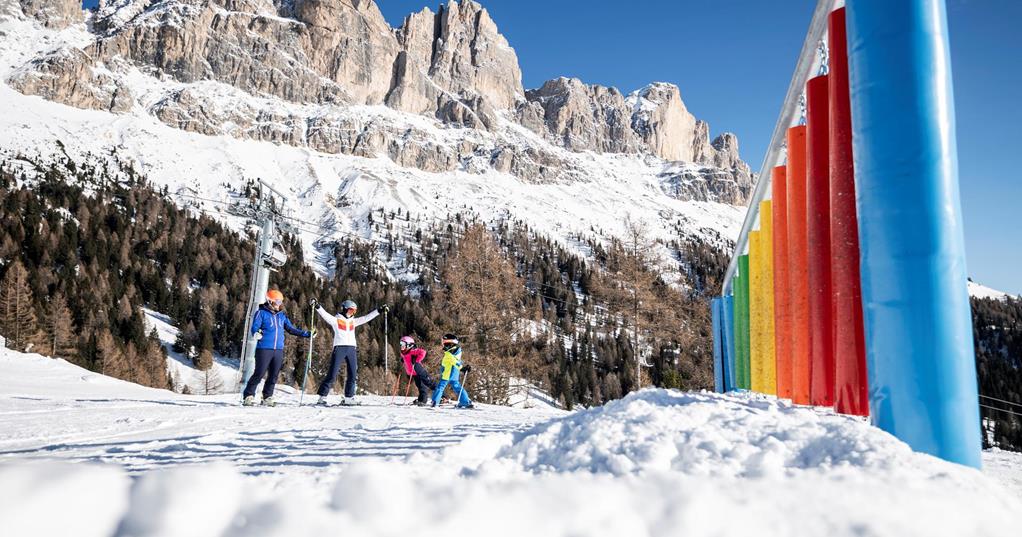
483	295
60	329
18	322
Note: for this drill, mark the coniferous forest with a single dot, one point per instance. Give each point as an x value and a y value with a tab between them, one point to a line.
84	248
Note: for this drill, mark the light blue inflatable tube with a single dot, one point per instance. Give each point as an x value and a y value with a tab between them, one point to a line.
919	349
716	307
729	343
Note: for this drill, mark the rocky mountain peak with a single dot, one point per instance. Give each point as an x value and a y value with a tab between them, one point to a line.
296	71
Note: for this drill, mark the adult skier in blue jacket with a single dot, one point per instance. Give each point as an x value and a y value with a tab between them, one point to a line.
268	327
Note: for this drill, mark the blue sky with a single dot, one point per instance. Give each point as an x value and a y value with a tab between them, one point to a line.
733	60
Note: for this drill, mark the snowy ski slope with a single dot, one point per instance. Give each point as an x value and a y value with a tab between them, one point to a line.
82	454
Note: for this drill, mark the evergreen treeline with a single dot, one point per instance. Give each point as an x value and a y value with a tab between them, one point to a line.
98	244
997	328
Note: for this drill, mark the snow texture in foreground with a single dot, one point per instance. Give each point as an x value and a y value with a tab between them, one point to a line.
655	463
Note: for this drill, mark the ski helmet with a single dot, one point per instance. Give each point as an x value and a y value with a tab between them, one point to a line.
274	295
450	340
349	305
407	342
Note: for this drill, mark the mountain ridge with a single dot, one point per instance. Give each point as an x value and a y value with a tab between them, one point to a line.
300	65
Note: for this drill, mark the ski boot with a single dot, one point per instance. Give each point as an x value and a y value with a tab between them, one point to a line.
249	401
322	401
269	401
419	403
350	401
469	406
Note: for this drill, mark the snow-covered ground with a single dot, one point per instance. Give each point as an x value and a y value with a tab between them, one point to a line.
82	454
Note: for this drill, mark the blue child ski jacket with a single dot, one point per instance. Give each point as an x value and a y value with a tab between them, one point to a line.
272	326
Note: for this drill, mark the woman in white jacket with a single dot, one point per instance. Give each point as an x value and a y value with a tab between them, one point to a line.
344	325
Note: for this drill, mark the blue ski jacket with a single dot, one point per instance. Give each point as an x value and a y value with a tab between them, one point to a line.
272	326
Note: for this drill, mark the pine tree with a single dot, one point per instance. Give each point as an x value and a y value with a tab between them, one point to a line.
18	322
60	329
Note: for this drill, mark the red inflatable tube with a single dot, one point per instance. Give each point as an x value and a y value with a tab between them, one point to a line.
821	331
850	396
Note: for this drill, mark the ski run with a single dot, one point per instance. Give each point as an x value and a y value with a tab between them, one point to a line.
82	454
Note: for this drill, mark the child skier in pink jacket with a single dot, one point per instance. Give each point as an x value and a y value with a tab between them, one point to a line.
413	357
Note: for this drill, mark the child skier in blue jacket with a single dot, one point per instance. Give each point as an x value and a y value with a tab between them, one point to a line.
268	326
450	373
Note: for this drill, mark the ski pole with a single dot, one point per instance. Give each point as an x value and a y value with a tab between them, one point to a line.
308	359
462	390
386	336
397	384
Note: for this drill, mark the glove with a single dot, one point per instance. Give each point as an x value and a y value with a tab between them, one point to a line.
466	368
314	303
383	309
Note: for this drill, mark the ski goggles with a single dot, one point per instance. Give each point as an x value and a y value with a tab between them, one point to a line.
277	302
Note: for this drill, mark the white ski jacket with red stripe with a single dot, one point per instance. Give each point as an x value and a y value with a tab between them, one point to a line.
344	328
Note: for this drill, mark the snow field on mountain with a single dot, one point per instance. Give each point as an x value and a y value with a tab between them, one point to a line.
85	454
335	190
978	290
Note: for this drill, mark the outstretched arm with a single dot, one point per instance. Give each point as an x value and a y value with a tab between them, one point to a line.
293	329
330	319
359	321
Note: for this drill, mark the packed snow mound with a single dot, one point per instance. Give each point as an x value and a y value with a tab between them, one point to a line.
704	434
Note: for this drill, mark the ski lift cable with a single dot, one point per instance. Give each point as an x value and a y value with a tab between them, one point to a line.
1001	409
1000	400
189	196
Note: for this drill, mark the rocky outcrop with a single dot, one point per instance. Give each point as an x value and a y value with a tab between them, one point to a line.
660	119
52	13
71	77
298	67
214	111
586	117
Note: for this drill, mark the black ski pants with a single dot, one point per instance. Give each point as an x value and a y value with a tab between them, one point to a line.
266	361
347	355
423	382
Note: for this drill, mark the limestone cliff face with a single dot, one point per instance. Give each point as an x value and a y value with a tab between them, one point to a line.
297	72
51	13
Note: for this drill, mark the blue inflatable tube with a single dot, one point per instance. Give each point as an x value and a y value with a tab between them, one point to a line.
729	343
716	308
919	349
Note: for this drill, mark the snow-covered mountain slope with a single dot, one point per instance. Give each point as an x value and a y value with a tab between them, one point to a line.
110	455
222	377
978	290
338	190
